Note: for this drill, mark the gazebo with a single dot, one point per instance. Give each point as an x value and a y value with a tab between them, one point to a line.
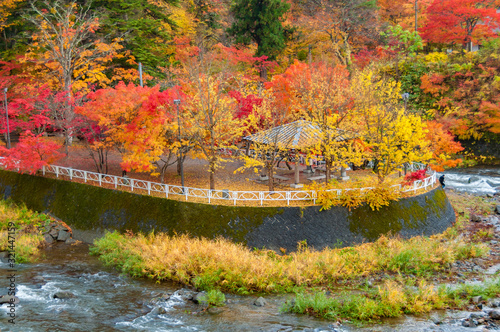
296	135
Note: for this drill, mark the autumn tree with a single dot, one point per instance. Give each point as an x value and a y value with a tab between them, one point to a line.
321	94
393	137
443	146
30	154
270	140
461	22
211	118
133	119
66	45
340	27
260	22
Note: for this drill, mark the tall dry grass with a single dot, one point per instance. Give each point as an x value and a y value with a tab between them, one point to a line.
221	264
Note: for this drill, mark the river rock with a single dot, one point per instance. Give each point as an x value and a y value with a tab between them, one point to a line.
475	217
478	315
48	238
477	299
494	314
215	310
473	179
185	294
63	235
200	298
436	319
497	209
9	299
63	295
260	302
495	303
158	311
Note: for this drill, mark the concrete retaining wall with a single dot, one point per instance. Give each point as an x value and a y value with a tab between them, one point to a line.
90	211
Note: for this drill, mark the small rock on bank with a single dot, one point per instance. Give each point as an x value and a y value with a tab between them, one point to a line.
260	302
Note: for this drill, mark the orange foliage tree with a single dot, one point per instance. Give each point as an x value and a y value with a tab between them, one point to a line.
442	145
133	119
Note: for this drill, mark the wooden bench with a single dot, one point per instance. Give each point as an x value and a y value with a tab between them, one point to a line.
319	177
281	178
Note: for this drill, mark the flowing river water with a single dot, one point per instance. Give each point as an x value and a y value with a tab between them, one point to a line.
104	300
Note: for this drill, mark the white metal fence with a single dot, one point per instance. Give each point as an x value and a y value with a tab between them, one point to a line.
229	195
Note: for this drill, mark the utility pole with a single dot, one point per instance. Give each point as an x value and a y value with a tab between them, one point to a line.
416	12
7	117
178	102
140	73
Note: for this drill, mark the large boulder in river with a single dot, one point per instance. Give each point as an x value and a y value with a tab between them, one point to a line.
9	299
497	209
473	179
200	298
63	295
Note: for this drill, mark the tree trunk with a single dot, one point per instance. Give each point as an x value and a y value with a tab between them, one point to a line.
179	161
212	176
263	74
270	176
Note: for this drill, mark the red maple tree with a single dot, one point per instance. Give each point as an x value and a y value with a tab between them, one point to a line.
461	21
30	154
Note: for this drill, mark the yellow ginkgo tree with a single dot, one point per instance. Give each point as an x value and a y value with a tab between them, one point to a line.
393	137
210	116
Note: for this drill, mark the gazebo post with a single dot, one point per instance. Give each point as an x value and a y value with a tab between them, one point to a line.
297	176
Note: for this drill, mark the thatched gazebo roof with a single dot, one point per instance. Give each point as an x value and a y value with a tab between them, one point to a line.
300	134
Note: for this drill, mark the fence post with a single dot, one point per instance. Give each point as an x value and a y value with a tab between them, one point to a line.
235	196
43	170
186	191
149	188
71	174
100	179
209	195
261	196
288	198
85	176
166	191
57	171
131	184
116	181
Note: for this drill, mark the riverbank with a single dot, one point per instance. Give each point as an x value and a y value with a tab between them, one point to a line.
23	233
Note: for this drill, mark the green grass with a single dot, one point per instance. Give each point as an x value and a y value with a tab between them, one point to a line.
214	298
393	299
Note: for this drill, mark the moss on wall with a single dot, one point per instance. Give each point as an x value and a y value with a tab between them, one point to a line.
88	208
404	214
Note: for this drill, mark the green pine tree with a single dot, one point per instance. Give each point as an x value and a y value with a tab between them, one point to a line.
260	22
142	25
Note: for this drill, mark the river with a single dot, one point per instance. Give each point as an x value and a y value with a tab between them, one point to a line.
479	180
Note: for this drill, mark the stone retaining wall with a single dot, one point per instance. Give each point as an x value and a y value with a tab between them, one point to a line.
90	211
